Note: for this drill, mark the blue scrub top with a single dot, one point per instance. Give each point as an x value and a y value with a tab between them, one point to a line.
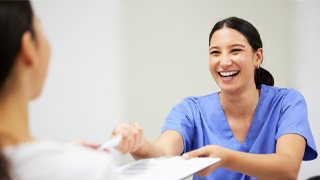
201	121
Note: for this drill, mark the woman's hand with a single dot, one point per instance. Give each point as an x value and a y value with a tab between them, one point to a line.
132	137
88	144
210	151
91	145
284	164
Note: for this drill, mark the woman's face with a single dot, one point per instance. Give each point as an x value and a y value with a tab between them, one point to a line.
232	60
42	55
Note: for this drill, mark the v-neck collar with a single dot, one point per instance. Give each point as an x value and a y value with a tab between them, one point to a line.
253	130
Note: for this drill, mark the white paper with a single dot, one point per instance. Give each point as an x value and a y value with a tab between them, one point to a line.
164	168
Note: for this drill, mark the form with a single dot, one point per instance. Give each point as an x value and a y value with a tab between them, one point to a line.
168	168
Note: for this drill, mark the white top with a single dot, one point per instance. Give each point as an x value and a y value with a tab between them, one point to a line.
53	161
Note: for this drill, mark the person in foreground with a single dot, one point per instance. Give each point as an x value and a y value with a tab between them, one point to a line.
259	131
24	55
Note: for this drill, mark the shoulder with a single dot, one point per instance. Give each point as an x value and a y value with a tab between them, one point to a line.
192	106
197	100
59	161
284	94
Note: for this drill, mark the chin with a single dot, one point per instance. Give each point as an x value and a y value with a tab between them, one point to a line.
230	88
35	95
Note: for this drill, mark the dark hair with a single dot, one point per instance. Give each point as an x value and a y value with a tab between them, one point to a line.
15	19
261	75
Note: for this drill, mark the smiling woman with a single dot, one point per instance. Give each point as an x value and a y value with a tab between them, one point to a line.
259	131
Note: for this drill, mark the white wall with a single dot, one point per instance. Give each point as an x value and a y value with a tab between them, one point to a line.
306	66
82	98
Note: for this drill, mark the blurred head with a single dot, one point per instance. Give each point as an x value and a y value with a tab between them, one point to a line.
24	49
24	54
236	54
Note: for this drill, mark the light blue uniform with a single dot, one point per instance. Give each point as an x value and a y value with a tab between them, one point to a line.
201	121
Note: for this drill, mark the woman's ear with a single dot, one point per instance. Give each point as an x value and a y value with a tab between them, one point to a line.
28	49
258	57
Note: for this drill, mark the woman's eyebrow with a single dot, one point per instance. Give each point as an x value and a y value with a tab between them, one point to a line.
214	47
232	45
241	45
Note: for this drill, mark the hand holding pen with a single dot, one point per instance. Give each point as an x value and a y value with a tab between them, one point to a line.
131	137
114	142
125	138
107	146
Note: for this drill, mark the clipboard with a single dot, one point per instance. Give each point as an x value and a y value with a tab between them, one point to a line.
164	168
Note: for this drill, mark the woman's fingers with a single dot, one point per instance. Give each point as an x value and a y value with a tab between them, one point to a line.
132	136
87	144
205	151
138	136
121	129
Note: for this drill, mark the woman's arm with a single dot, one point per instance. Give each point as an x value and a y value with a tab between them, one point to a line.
168	144
284	164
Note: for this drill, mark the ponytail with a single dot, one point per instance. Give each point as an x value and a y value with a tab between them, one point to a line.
262	76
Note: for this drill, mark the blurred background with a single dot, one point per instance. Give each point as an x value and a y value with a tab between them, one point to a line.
133	60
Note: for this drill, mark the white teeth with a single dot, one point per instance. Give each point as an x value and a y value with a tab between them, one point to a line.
229	73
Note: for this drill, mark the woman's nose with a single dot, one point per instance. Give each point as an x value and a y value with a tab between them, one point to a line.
225	60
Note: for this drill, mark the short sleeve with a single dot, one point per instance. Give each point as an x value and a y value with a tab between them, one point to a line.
294	120
180	119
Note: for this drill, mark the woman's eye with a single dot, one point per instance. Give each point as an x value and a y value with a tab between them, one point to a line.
214	52
235	51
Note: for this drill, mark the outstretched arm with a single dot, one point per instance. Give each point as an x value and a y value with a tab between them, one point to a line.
284	164
168	144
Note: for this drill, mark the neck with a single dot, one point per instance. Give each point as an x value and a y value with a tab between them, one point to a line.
13	119
241	104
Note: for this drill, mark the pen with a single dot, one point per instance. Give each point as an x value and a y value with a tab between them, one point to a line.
112	143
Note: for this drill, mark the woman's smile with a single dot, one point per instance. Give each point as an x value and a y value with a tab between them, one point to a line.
228	75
